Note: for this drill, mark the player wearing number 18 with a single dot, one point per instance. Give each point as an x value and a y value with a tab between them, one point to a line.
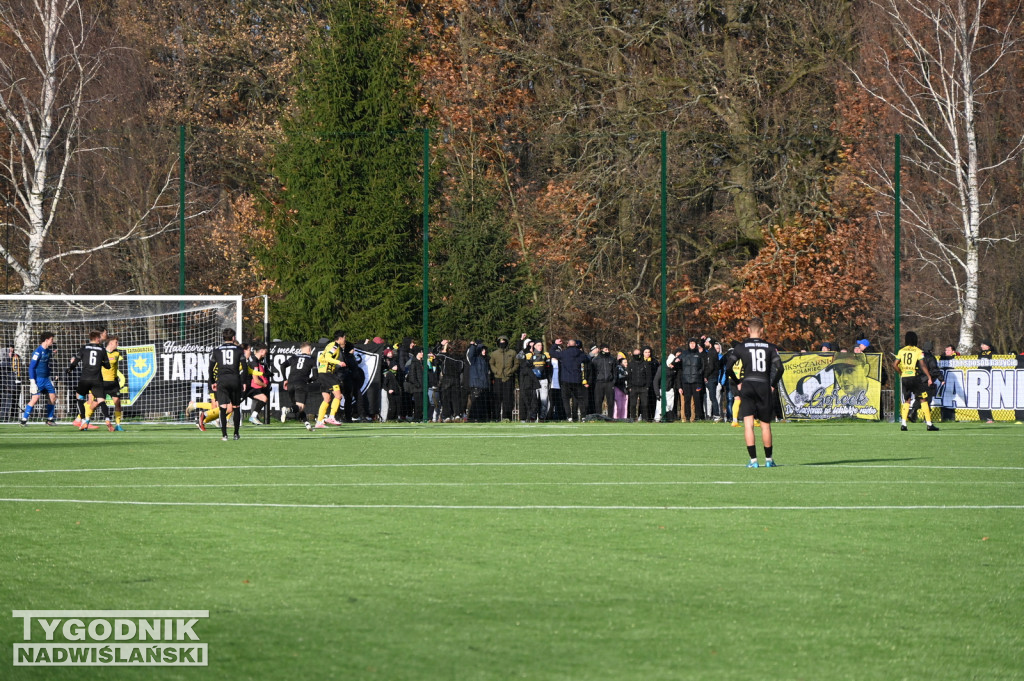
915	379
762	369
227	364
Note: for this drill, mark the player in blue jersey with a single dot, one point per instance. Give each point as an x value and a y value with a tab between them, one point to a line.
40	382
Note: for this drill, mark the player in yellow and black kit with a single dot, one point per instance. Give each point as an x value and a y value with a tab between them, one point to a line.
330	385
914	379
112	379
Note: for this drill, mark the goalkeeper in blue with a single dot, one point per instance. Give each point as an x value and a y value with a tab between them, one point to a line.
40	382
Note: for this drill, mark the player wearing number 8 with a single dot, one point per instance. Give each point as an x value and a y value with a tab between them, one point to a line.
762	369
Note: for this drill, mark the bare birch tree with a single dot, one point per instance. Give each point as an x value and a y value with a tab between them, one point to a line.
935	77
47	63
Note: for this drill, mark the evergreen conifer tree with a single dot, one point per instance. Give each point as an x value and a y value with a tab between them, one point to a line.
347	220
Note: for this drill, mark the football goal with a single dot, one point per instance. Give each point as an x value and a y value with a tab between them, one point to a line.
164	341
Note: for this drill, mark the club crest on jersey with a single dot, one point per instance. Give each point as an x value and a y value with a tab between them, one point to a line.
140	368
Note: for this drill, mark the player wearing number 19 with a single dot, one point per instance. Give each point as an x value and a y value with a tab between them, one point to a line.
227	363
762	369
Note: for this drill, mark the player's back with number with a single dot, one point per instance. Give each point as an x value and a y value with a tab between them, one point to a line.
227	363
910	357
757	358
93	358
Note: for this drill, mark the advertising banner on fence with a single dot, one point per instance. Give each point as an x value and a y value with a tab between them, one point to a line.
828	385
982	389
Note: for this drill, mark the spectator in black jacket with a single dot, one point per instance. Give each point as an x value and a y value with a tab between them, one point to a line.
712	371
389	386
691	373
604	381
449	382
414	384
478	408
571	360
529	389
639	384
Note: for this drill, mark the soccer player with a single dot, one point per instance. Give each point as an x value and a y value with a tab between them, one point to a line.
298	382
762	369
227	364
330	385
112	379
93	358
258	387
40	382
915	379
207	411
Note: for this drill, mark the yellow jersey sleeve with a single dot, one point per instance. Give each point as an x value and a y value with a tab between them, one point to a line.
110	374
909	356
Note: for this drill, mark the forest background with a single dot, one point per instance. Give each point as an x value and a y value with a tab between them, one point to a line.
304	127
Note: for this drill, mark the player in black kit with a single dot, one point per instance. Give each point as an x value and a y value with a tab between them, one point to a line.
93	358
299	382
227	363
762	369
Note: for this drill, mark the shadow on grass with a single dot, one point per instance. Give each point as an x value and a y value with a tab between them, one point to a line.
845	461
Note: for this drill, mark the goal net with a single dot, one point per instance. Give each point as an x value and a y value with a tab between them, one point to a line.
165	344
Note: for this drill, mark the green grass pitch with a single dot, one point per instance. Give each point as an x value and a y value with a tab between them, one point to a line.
495	552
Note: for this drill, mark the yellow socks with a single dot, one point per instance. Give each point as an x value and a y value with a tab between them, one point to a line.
323	411
335	403
211	415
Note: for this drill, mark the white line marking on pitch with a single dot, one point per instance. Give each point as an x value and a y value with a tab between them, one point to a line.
523	508
485	464
523	484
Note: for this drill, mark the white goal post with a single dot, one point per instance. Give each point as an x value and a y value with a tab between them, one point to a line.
165	344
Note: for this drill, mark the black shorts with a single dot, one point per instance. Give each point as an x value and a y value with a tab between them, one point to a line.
95	387
299	393
756	400
329	383
229	393
912	385
252	392
111	388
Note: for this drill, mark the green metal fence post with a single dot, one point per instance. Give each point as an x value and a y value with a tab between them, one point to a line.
664	267
897	199
426	265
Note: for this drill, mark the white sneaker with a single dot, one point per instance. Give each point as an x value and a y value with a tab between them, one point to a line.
284	414
255	420
309	426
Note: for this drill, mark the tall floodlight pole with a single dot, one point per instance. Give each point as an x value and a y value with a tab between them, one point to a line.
426	265
896	292
664	265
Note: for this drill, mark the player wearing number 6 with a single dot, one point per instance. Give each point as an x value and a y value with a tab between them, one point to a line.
762	369
93	358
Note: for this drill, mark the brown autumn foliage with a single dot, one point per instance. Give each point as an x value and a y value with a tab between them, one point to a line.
553	107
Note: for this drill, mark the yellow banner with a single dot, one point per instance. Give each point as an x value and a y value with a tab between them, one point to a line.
830	385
